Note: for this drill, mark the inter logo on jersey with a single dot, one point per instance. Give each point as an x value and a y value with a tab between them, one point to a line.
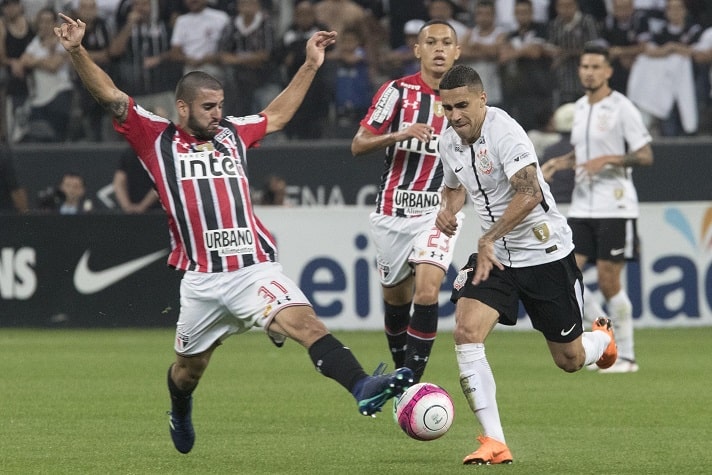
206	164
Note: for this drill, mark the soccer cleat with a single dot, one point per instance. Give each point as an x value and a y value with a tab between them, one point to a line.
490	452
622	365
379	388
181	429
610	355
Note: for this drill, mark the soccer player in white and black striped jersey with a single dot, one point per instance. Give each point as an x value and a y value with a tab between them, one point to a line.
609	139
525	252
232	281
406	119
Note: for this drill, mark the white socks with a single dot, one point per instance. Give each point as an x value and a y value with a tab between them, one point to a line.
591	307
480	390
594	344
621	312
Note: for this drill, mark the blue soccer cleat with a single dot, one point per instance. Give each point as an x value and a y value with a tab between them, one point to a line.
181	429
379	388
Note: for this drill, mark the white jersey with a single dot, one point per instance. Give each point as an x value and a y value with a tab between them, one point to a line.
484	168
612	126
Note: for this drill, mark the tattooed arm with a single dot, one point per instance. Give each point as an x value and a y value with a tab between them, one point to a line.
96	81
527	195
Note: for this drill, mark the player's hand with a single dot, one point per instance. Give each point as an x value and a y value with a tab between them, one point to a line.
422	132
486	260
446	222
70	33
317	45
595	165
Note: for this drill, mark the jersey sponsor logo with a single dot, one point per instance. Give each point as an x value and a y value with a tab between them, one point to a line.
484	164
88	281
415	203
414	145
521	156
617	252
541	231
415	87
410	104
207	164
458	169
385	105
230	241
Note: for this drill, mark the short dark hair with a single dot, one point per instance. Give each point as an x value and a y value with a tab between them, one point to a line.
597	47
438	22
188	85
459	76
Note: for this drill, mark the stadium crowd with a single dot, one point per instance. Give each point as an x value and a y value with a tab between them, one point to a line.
526	51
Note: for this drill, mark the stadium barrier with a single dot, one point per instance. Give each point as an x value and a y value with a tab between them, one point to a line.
108	270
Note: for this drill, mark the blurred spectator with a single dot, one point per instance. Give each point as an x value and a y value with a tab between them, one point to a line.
625	30
401	61
653	11
398	13
68	197
445	10
246	49
13	196
480	50
141	63
672	97
195	38
353	86
51	85
308	122
544	133
274	191
567	33
526	69
163	11
561	182
133	188
702	56
92	120
15	36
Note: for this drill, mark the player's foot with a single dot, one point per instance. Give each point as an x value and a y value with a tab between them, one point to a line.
611	353
622	365
379	388
490	452
181	429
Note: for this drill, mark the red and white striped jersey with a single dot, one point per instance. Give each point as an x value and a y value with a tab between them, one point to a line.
413	175
204	189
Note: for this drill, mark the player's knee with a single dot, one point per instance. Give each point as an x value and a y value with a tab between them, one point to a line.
569	362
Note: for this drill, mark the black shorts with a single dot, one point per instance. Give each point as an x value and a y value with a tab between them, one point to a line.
609	239
552	295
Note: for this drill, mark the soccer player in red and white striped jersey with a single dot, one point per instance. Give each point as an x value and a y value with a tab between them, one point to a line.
406	119
232	281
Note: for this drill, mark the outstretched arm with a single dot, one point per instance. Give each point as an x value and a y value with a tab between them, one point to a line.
96	81
282	108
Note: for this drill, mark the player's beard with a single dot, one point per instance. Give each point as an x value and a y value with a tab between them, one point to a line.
200	132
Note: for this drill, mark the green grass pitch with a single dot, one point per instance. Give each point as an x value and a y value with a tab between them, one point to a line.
94	402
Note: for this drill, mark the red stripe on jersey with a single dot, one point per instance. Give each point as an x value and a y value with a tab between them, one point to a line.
410	165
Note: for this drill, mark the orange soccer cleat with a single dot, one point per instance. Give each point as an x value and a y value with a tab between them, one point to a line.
611	354
490	452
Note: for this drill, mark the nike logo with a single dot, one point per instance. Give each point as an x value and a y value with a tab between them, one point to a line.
617	252
87	281
566	332
457	170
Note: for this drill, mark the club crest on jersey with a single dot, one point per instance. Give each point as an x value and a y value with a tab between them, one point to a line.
383	268
438	109
541	231
484	164
618	193
461	278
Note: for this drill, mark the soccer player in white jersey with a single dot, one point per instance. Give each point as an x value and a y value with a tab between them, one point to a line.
609	138
406	119
525	252
232	281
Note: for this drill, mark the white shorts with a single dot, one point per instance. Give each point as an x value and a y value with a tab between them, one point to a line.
214	306
403	242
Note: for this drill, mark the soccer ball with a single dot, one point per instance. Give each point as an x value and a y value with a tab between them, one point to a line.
424	411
